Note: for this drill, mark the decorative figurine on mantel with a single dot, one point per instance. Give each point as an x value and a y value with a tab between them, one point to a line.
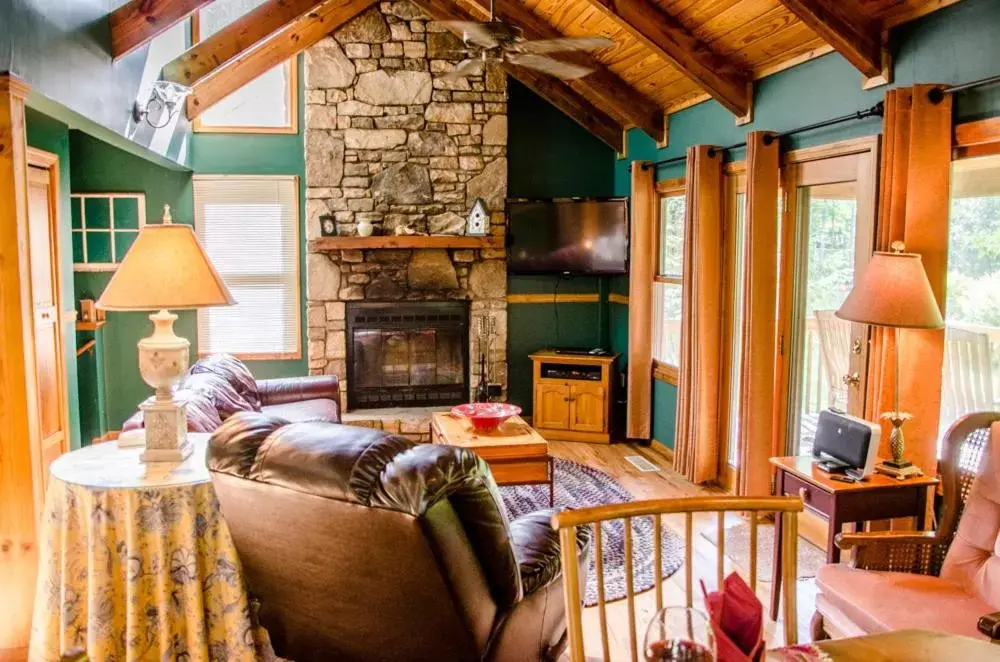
365	228
479	219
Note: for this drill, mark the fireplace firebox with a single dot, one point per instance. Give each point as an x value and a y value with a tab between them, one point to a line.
407	354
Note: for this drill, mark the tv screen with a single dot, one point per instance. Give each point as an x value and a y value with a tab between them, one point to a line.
568	236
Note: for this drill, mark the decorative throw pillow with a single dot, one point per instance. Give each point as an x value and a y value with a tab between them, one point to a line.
234	371
224	397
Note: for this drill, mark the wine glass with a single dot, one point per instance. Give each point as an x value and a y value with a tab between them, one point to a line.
679	634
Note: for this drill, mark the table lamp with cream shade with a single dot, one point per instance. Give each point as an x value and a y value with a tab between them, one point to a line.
894	292
166	268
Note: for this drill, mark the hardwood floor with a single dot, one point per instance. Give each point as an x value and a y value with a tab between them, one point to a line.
665	484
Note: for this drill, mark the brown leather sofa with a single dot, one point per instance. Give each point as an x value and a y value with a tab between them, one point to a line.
363	546
218	386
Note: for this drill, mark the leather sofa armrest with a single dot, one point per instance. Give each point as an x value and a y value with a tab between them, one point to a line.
536	548
990	625
295	389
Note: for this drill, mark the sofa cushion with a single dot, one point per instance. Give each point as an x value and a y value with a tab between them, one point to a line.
234	371
319	409
884	601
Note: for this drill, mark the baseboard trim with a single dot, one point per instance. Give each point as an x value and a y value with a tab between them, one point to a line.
553	298
614	297
667	451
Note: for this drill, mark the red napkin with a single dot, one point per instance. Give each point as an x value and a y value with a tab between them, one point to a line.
737	619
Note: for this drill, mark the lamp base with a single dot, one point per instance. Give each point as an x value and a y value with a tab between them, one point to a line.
901	464
165	422
901	474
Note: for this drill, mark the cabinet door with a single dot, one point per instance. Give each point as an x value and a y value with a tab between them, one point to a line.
587	407
551	406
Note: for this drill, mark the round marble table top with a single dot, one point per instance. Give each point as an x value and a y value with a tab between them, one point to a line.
106	466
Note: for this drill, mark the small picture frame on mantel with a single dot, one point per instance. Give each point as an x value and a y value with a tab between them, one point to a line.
478	220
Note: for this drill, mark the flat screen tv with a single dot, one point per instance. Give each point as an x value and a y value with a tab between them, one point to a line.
568	236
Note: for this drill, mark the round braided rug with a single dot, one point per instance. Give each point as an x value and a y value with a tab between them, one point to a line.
580	486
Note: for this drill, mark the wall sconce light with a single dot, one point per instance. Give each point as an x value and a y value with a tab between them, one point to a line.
164	101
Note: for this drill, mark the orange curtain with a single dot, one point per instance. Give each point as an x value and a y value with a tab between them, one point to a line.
642	263
755	440
696	454
913	208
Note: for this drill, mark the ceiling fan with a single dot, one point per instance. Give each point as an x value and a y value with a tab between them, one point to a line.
499	41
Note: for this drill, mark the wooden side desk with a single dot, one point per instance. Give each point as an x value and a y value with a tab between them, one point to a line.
877	497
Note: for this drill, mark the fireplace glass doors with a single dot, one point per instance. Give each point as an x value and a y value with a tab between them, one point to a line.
407	354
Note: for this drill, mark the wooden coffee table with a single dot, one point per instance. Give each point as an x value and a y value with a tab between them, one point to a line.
517	455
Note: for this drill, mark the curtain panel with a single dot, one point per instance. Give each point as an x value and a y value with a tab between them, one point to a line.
642	266
914	208
696	454
756	441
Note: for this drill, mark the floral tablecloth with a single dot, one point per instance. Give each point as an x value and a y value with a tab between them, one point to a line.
137	563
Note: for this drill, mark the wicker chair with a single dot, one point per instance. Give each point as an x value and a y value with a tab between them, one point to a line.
966	448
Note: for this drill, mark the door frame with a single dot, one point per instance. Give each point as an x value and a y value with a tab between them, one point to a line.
867	178
48	161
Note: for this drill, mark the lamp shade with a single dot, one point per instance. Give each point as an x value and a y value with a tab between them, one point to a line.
893	291
165	268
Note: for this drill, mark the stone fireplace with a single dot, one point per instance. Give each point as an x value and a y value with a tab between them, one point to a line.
390	141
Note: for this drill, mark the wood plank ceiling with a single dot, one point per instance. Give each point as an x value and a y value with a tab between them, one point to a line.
668	54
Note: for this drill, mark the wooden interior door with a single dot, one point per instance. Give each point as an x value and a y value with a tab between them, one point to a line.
50	373
828	224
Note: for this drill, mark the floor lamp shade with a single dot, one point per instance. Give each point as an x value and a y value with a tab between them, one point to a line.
893	291
165	268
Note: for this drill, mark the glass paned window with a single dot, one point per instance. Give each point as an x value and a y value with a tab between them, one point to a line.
668	288
249	228
266	103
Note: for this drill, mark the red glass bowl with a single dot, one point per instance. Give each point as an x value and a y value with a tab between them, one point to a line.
486	416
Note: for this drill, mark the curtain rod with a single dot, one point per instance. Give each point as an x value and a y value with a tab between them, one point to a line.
875	111
878	110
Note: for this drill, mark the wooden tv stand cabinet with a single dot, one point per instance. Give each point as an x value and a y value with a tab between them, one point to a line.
573	396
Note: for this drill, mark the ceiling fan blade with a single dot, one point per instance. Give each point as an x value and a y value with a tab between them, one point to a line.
471	67
472	32
563	44
548	65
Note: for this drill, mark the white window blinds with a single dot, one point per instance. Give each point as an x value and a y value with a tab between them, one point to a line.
250	228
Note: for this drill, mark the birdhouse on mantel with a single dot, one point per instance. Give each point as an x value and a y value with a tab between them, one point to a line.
478	219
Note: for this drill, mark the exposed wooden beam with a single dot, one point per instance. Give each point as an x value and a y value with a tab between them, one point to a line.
855	37
666	36
295	37
209	54
137	21
627	104
553	90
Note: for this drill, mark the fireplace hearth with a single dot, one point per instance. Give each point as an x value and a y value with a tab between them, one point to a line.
407	354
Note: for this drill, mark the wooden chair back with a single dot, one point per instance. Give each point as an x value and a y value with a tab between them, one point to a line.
566	523
835	348
968	374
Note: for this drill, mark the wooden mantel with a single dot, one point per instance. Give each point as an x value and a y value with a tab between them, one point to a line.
405	242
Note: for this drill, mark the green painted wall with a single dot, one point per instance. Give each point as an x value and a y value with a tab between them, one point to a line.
954	45
53	136
98	167
549	156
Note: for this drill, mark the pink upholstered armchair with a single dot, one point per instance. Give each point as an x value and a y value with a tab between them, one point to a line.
946	580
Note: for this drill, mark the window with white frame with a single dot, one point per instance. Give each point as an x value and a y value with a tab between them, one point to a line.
249	226
268	103
668	282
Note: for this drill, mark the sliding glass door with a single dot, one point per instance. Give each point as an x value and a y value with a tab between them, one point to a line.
828	219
